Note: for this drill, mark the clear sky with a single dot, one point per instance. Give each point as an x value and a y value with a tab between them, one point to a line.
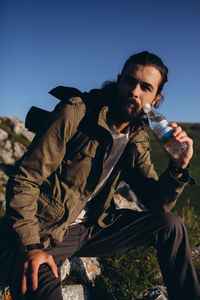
45	43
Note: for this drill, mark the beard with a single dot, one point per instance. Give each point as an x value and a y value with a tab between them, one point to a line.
126	109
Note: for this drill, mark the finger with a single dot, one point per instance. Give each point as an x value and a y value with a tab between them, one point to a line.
186	139
34	276
24	284
173	124
179	135
53	267
24	279
177	130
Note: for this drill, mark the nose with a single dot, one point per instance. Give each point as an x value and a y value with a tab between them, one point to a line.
134	93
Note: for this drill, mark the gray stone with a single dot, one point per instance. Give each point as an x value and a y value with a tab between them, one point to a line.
3	135
196	253
7	156
4	293
8	145
156	293
75	292
88	268
3	177
2	197
18	127
19	149
65	270
28	134
126	198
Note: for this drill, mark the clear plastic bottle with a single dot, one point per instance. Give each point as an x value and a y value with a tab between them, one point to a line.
163	131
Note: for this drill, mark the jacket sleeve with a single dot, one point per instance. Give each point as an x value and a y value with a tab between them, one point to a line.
156	193
44	155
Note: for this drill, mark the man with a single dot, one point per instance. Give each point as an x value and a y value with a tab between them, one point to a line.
60	202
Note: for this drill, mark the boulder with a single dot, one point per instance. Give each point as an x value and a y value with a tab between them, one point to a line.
87	268
126	198
75	292
156	293
3	135
18	127
18	149
6	156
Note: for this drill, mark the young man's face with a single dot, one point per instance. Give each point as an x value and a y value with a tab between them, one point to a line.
137	86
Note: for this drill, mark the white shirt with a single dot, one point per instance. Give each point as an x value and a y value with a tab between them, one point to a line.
119	143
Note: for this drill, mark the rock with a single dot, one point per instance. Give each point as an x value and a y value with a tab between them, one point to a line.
8	145
27	134
75	292
88	268
126	198
65	269
91	267
196	253
3	135
19	149
5	293
2	197
18	127
156	293
6	156
3	177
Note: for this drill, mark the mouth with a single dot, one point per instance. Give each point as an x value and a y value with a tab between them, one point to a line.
132	104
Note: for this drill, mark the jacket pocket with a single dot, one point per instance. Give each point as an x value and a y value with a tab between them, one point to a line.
49	210
90	149
144	145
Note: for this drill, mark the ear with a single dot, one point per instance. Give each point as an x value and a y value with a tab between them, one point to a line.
157	98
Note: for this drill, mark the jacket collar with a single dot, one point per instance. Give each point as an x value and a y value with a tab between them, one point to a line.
103	118
103	122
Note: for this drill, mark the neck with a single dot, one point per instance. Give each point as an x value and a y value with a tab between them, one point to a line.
120	127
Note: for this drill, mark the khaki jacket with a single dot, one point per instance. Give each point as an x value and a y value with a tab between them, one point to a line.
50	188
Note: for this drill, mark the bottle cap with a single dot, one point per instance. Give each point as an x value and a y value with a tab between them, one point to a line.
147	108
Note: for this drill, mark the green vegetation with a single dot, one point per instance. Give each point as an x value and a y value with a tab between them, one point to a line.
125	275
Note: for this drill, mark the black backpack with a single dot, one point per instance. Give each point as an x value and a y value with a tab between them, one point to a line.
36	116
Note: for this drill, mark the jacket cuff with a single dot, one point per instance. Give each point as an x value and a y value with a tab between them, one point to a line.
25	249
185	178
28	236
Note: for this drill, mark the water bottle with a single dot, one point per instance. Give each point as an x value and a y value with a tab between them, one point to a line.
163	131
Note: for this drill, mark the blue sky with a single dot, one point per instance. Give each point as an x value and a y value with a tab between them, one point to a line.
48	43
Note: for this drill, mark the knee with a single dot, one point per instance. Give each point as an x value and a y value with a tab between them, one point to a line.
172	232
173	222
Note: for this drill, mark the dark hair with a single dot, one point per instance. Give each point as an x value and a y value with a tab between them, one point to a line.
149	59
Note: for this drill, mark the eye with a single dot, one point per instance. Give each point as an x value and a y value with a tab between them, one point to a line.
145	87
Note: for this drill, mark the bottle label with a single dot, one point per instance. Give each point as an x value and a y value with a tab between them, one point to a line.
163	131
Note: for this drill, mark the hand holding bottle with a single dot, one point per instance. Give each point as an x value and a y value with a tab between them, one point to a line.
181	137
171	136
